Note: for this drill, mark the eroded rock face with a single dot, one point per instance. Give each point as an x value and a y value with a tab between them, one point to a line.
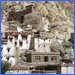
59	15
60	18
57	47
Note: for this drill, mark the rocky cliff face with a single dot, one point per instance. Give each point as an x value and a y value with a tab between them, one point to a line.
57	16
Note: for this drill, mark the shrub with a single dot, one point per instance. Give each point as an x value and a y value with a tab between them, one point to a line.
5	66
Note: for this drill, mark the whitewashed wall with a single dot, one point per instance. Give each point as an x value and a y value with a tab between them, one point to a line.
42	46
39	45
67	70
12	47
26	42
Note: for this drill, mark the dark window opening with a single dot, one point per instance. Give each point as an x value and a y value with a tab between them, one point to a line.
24	37
13	56
11	39
15	43
39	68
38	45
26	41
45	58
8	58
6	37
22	18
8	49
54	58
16	36
21	43
36	32
49	40
51	67
37	57
48	25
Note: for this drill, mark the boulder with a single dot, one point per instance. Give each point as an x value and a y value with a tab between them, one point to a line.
57	47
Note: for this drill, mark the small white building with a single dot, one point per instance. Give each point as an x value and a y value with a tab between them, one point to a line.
42	45
20	40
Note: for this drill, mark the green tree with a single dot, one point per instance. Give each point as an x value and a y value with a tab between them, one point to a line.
5	66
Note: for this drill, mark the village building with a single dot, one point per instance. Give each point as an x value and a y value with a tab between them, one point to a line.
43	57
13	40
13	15
30	48
28	16
22	40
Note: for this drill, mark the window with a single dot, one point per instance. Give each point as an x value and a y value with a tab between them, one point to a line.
38	45
11	39
44	45
15	43
6	37
8	49
36	32
8	58
54	58
49	40
45	58
13	56
24	37
37	57
22	18
16	36
48	25
26	41
20	43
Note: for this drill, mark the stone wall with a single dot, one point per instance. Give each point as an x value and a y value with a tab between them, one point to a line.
64	70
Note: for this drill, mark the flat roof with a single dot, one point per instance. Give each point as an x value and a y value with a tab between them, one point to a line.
43	53
16	33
